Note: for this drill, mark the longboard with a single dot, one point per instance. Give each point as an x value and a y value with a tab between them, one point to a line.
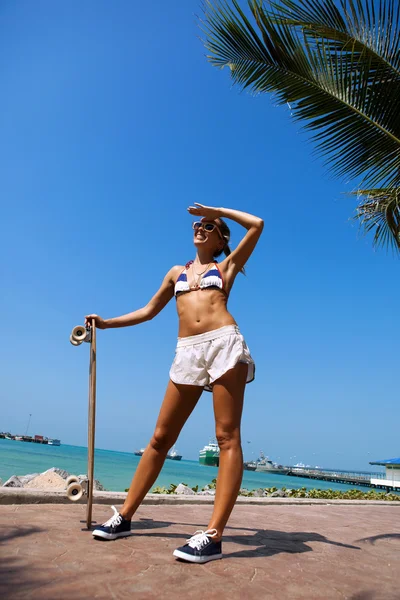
76	489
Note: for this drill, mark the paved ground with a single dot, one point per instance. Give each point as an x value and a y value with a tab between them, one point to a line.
282	552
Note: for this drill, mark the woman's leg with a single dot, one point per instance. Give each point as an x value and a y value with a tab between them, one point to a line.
228	392
179	402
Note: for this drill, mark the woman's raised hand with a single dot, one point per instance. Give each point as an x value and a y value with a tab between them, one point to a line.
100	323
209	212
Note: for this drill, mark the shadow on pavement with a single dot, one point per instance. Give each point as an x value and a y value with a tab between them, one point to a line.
14	573
267	542
10	533
382	536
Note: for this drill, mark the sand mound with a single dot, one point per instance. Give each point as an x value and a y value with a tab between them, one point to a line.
47	481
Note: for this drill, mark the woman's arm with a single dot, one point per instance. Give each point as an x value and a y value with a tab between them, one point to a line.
148	312
241	254
254	225
245	219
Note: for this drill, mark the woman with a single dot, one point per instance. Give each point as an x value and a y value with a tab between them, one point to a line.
211	354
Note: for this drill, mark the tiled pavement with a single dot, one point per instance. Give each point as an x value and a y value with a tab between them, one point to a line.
282	552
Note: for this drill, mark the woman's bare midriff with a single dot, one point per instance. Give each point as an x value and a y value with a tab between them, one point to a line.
202	310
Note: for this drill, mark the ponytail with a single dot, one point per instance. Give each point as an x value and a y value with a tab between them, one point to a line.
226	250
226	235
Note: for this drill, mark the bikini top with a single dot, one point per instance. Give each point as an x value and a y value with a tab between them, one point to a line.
211	279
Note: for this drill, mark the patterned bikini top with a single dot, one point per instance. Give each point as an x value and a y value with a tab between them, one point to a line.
211	279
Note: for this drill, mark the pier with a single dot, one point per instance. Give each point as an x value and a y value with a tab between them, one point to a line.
355	479
37	439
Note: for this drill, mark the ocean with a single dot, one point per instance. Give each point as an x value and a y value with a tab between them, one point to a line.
115	469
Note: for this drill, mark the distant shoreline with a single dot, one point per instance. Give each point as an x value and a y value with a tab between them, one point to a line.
114	469
195	461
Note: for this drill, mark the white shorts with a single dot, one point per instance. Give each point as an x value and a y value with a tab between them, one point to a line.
204	358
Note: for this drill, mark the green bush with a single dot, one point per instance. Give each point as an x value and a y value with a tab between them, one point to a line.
353	494
161	490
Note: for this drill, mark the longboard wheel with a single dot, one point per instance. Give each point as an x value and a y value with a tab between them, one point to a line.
73	342
74	492
79	333
72	479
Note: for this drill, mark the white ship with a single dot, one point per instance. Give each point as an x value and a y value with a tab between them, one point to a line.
54	442
209	455
173	455
139	452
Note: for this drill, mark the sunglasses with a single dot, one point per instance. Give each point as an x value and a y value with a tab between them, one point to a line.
209	227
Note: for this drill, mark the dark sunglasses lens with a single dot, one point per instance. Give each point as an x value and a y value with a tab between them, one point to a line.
209	226
196	225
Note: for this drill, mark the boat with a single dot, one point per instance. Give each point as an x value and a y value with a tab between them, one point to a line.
209	455
54	442
173	455
250	466
19	438
139	452
265	465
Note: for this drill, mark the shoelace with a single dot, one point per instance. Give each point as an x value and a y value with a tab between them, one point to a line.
115	520
200	538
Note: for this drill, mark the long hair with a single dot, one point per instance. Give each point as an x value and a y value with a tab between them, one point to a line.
226	234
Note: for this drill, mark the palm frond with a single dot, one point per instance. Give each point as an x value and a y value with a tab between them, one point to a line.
379	212
368	28
360	32
355	124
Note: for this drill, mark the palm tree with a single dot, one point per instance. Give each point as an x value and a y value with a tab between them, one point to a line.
337	64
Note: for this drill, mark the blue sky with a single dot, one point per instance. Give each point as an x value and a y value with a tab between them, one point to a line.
112	122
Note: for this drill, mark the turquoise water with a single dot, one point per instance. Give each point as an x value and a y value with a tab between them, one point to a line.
115	469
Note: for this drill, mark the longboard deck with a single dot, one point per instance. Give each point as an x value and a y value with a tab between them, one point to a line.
91	424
